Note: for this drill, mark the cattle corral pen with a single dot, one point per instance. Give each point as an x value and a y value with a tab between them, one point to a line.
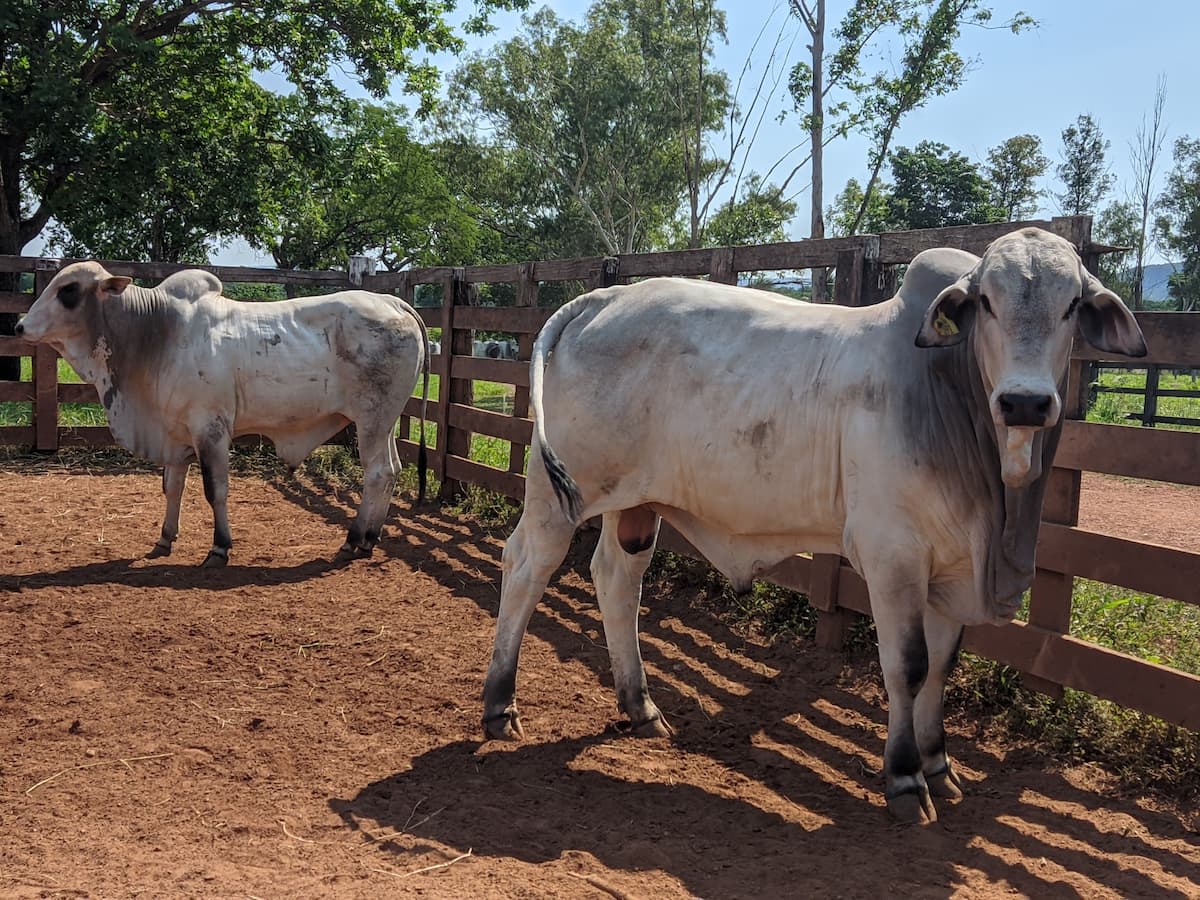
865	268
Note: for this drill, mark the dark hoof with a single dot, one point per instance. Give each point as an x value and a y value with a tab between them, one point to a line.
912	808
158	551
505	726
945	785
654	727
215	560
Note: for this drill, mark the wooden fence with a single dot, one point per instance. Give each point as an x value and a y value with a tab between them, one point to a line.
1150	392
864	273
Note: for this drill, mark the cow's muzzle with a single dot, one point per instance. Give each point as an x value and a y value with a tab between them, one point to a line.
1025	410
19	330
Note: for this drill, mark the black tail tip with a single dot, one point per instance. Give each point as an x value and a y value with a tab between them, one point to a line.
565	488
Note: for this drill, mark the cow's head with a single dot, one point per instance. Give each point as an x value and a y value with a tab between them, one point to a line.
67	307
1020	306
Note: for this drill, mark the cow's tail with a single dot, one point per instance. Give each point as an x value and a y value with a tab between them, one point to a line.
422	456
564	485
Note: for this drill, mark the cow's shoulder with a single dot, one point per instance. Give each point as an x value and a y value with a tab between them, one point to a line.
191	284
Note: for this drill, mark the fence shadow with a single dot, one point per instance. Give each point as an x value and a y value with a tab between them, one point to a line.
772	716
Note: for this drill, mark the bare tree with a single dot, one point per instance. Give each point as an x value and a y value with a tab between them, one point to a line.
1144	152
813	17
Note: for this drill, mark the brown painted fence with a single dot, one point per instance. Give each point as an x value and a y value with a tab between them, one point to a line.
1041	648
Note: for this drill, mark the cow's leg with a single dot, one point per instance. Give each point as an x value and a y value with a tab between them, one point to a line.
531	554
942	637
380	462
213	452
898	592
621	558
174	477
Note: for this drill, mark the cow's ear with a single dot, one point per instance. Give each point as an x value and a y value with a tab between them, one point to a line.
114	285
950	314
1106	322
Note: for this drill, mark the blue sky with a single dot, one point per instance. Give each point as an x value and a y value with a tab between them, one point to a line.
1089	56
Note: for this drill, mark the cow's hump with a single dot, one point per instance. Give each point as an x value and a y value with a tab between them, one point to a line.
191	284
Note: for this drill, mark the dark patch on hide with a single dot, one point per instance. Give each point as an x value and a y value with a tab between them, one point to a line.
903	757
636	529
947	422
916	658
498	691
109	396
952	662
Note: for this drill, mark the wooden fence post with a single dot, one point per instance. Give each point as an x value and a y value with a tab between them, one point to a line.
610	272
455	390
833	622
45	372
527	296
721	267
1150	403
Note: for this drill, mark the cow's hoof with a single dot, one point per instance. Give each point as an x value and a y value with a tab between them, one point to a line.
158	551
505	726
215	560
654	727
912	808
945	785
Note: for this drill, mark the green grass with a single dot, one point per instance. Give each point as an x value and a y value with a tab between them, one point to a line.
1115	408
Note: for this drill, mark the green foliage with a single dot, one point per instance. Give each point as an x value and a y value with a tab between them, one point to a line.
1118	224
843	216
1013	169
1177	225
90	90
934	187
364	185
1083	171
927	65
588	124
757	217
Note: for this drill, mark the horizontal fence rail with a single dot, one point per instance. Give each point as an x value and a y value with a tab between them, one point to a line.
864	272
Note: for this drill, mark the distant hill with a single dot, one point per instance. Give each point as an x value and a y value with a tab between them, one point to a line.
1154	280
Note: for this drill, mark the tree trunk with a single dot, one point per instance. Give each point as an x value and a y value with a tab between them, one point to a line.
817	135
10	245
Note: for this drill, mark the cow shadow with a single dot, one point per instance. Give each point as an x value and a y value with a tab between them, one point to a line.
181	576
774	715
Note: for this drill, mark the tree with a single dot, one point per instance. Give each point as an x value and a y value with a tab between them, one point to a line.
842	215
1117	225
75	73
171	186
757	217
602	116
1083	170
1177	225
875	103
1013	169
368	187
933	187
1143	160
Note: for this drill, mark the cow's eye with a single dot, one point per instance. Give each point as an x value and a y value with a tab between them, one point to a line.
1071	309
68	295
986	304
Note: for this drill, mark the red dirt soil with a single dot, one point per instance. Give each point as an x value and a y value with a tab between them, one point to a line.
289	727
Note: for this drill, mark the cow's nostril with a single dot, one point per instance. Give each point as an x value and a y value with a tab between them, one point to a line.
1025	410
20	329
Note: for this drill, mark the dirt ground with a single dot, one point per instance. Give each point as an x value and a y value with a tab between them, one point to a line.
286	727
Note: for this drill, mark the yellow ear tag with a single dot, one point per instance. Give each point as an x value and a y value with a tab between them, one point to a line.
944	326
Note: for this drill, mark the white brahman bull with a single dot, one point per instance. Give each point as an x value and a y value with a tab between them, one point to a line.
760	427
182	371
